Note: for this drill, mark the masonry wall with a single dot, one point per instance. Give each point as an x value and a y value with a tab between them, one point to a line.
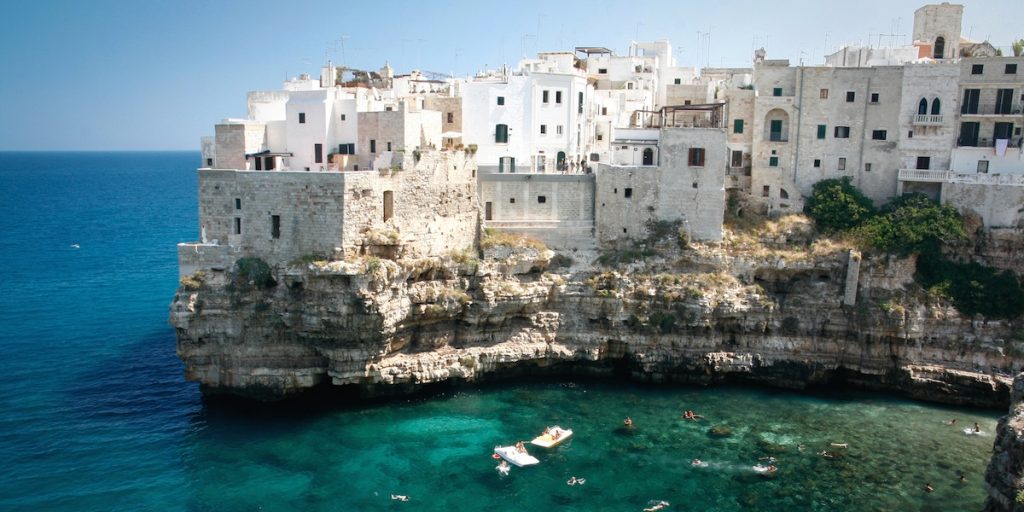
565	219
434	206
1000	206
234	140
309	205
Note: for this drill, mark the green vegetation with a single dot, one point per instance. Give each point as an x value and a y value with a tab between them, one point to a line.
496	238
836	205
1018	50
193	282
254	272
914	224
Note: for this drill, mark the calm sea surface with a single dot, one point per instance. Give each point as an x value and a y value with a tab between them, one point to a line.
95	414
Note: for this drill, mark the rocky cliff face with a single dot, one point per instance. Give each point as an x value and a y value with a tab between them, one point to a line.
702	315
1005	476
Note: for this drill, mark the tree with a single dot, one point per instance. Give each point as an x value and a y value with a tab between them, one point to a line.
913	223
1018	48
836	205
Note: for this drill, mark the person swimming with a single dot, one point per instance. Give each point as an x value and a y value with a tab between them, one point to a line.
977	428
399	497
656	505
503	468
698	463
628	422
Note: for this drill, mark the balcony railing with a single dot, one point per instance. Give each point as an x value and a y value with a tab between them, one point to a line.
927	119
993	110
1014	142
929	176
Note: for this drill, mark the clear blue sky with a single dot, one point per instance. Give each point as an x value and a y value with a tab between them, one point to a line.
139	74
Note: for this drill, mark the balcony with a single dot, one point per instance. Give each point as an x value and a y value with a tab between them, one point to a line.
929	176
993	110
927	120
982	142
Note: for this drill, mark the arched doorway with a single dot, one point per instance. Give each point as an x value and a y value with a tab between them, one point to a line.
936	107
940	47
648	156
561	161
776	125
922	107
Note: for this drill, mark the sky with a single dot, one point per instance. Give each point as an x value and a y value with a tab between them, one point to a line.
157	75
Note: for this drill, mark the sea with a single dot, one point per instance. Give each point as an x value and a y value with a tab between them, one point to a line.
95	414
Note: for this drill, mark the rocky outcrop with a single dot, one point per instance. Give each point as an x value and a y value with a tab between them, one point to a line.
701	316
1004	478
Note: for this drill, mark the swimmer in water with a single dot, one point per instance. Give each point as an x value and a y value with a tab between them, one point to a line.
399	497
656	506
628	422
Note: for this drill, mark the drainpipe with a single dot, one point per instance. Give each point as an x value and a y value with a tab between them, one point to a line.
799	118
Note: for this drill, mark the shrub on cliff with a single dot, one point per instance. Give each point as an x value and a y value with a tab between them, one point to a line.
973	288
913	224
836	205
253	272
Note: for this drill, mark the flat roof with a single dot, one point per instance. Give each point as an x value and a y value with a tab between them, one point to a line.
592	49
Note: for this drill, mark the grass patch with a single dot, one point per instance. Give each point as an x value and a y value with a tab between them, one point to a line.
496	238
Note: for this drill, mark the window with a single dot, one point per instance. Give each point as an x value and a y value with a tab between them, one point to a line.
737	159
696	157
822	130
209	162
922	107
600	137
977	69
936	107
874	97
501	100
765	190
558	130
347	149
628	193
842	164
982	165
783	194
602	71
238	225
1011	69
451	117
302	118
817	162
373	145
511	200
823	94
543	129
501	134
542	199
558	96
544	97
777	91
1004	100
842	132
275	226
773	161
389	204
579	109
389	145
594	157
878	134
678	81
850	96
867	167
924	162
737	126
343	117
970	103
388	109
318	153
940	47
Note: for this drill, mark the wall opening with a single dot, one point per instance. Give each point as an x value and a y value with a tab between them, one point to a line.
648	156
488	210
940	47
628	193
275	226
389	205
238	225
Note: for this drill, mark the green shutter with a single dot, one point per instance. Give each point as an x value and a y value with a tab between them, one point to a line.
777	91
737	126
773	161
821	131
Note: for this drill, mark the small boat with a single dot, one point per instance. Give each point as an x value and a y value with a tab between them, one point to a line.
972	432
552	436
511	454
765	470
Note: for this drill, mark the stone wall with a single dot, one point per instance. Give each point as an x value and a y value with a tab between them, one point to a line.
999	206
565	219
234	140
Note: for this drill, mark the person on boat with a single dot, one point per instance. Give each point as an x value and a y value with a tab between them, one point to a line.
628	422
520	447
771	468
977	428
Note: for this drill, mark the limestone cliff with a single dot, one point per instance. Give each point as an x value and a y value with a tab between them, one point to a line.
1005	476
782	316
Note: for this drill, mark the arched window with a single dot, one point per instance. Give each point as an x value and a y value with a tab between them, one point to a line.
940	47
922	107
936	107
783	194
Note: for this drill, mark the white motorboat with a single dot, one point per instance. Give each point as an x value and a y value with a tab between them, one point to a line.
552	436
513	455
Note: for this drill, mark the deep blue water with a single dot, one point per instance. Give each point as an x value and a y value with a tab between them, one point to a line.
95	414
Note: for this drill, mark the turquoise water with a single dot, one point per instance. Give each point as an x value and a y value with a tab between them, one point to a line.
95	415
